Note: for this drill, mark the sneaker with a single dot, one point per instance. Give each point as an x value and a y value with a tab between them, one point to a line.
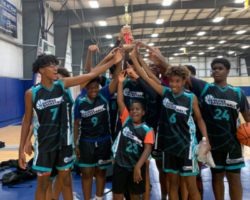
76	196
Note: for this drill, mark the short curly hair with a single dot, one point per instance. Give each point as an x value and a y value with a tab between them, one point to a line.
180	70
63	71
223	61
43	59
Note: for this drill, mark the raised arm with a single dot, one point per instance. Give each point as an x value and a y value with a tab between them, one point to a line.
147	69
158	88
88	64
200	122
113	84
73	81
25	127
120	98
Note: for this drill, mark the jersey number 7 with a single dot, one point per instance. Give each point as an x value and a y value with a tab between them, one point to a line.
55	112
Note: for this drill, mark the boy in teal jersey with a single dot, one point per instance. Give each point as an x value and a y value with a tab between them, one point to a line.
176	128
45	99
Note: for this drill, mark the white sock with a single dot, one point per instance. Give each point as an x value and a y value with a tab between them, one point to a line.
163	197
97	198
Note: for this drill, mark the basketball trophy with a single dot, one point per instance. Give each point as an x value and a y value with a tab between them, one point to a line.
126	19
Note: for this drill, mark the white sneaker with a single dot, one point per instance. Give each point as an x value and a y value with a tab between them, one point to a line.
76	196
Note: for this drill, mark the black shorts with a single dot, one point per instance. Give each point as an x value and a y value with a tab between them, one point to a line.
95	154
178	165
227	161
61	159
123	181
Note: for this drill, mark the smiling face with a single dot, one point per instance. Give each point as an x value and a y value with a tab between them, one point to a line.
176	84
155	69
136	112
92	90
50	71
219	72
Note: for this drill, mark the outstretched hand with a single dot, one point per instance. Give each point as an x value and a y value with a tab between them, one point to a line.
131	72
118	55
154	57
134	51
111	53
140	44
94	48
122	76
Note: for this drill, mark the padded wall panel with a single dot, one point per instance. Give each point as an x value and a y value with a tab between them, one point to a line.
12	98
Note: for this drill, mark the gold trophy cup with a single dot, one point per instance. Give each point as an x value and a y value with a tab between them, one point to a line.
127	18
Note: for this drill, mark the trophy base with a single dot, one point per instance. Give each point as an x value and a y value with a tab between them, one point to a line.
127	46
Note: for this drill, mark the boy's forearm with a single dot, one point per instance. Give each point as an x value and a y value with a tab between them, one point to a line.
24	135
144	156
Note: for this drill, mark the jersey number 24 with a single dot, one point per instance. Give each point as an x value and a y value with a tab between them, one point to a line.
219	115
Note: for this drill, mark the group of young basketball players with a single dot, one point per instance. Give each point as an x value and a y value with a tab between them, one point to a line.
157	110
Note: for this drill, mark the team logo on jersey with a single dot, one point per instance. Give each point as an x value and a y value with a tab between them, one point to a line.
127	92
92	111
220	102
170	105
127	133
41	104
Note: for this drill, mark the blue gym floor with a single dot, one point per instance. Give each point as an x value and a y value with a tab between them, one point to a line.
29	193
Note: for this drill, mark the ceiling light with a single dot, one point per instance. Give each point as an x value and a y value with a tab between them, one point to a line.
193	57
159	21
108	36
151	44
219	56
189	43
182	49
201	53
167	2
245	47
230	52
239	1
240	32
146	55
171	58
94	4
145	59
103	23
201	33
147	50
176	54
154	35
218	19
222	41
210	48
112	45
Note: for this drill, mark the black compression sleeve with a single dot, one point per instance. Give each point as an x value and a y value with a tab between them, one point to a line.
148	89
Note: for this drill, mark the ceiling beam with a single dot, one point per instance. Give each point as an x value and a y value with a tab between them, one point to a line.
170	24
106	12
182	43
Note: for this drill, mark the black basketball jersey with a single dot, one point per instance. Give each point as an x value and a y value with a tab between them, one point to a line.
153	112
95	120
220	111
113	109
67	134
47	110
131	91
176	133
129	145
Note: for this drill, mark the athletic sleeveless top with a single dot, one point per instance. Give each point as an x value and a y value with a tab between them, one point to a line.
47	110
176	134
129	145
220	111
95	120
